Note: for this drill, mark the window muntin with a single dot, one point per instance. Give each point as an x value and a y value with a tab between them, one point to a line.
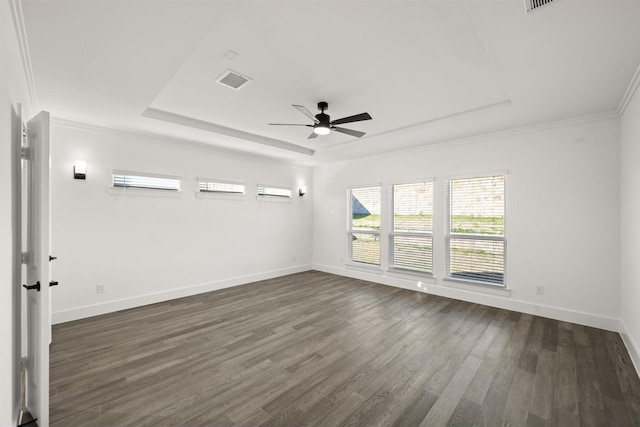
145	181
411	235
364	225
269	191
476	229
208	186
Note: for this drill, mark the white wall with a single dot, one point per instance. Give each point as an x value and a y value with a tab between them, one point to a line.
150	248
562	215
13	90
630	226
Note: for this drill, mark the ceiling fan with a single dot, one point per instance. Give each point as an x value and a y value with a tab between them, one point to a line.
322	123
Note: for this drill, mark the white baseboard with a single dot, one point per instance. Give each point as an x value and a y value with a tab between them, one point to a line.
137	301
498	301
632	346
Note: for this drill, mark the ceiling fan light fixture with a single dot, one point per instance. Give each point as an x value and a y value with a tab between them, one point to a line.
321	129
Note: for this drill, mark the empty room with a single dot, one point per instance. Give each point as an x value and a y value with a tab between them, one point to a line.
319	213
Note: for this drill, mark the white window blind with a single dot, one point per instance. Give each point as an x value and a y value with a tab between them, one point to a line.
476	229
140	180
411	239
207	186
274	191
364	225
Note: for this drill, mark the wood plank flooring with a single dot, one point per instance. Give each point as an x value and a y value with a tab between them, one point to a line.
314	349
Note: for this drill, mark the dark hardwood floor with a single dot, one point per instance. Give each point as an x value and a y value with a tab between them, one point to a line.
314	349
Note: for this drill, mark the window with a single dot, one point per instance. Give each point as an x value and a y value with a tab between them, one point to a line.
364	225
476	229
146	181
410	239
274	191
207	186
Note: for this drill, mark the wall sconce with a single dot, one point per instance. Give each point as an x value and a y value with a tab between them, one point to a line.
80	169
302	190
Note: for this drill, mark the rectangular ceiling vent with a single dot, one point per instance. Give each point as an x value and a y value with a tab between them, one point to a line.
233	79
532	5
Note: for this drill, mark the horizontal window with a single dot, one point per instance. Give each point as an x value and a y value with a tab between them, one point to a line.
274	191
220	187
140	180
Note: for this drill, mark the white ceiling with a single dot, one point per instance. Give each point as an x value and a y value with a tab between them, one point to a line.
427	71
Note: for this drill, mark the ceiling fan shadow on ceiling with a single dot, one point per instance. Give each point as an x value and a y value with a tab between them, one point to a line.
322	123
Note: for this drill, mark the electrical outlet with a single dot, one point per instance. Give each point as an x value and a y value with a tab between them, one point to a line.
100	288
539	289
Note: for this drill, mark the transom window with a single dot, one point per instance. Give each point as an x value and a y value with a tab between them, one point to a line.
210	186
145	181
269	191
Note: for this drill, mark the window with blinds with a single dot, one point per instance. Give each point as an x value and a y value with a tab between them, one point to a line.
364	225
141	180
476	229
274	191
207	186
410	237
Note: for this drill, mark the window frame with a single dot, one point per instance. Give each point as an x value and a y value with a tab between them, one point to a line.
351	231
474	237
392	233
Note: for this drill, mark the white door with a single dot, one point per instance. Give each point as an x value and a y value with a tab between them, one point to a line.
35	165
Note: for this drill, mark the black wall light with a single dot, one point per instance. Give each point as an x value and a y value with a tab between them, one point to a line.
80	169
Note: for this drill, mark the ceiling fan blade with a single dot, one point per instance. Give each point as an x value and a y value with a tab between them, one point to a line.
313	135
306	112
357	118
288	124
355	133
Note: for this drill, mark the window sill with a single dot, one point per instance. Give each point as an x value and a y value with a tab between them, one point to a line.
145	192
468	285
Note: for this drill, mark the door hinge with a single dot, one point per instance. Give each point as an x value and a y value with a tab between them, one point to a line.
25	153
25	258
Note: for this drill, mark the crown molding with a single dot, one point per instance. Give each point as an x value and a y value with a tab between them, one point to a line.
176	142
630	92
541	127
23	45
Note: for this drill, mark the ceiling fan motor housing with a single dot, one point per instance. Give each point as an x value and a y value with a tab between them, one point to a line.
323	118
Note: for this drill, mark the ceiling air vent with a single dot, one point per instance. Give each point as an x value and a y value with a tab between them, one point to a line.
233	79
532	5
